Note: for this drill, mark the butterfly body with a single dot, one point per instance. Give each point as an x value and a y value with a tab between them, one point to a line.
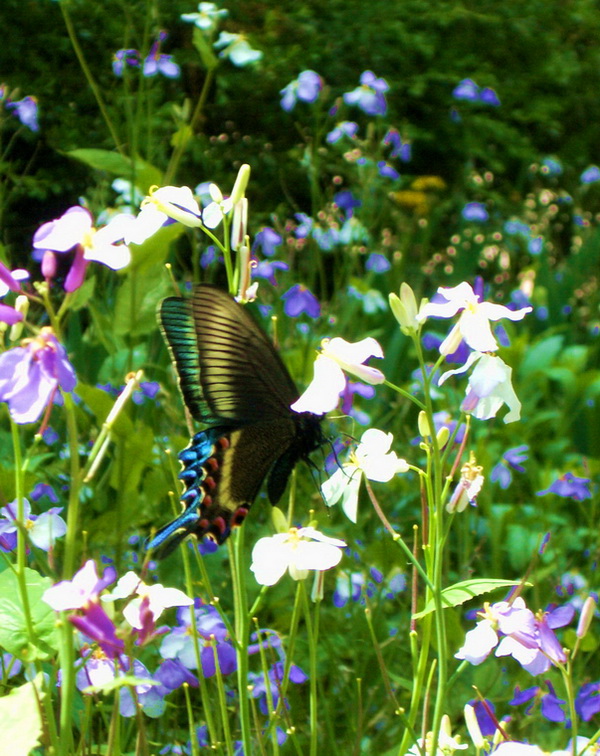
234	382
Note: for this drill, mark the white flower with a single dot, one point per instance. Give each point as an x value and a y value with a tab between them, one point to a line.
298	551
159	598
468	487
446	743
207	17
473	325
329	381
372	458
489	388
213	214
237	48
164	203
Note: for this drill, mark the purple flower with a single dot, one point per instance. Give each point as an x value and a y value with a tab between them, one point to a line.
305	88
400	149
369	97
590	175
43	530
26	111
97	625
466	90
267	240
298	300
273	681
346	201
587	701
44	489
344	128
304	227
124	58
488	96
511	458
387	171
179	644
377	263
475	211
267	268
156	62
31	375
483	709
569	486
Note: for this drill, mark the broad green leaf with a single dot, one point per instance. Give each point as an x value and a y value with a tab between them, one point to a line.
14	636
155	249
541	355
101	403
21	719
458	593
83	294
143	174
135	308
205	50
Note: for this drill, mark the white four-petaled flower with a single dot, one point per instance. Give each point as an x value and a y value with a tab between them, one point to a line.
158	598
372	458
474	322
297	551
489	388
337	356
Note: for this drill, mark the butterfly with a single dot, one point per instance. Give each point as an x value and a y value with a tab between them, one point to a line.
234	382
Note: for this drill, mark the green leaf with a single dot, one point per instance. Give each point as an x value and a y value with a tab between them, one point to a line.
540	356
141	173
21	719
81	296
458	593
135	308
101	403
155	249
205	50
14	636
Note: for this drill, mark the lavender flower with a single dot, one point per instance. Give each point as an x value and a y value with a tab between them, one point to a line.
344	128
267	240
43	529
305	88
298	300
26	111
569	486
31	375
157	62
369	97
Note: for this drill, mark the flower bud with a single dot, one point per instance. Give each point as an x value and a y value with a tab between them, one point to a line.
442	436
404	309
49	265
216	194
452	341
240	223
587	614
473	728
423	424
22	306
241	182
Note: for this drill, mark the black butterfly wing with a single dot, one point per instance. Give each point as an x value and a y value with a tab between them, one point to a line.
234	382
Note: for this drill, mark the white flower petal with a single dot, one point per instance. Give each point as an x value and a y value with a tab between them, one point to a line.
270	559
310	555
323	392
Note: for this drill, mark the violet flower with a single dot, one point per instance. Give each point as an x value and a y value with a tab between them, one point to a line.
306	88
369	97
157	62
124	58
569	486
26	111
299	300
342	129
31	375
267	240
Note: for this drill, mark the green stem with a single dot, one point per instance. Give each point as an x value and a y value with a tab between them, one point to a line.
312	632
241	631
72	535
89	77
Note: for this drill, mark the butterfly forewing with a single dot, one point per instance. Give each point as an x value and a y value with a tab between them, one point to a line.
243	378
234	382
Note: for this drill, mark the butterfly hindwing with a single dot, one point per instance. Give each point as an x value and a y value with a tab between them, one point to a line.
234	382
